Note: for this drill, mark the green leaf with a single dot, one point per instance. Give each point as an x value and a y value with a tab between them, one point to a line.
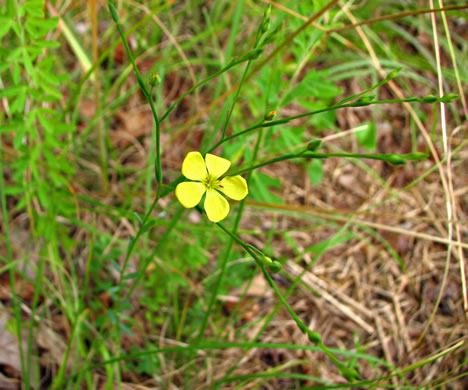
315	171
16	73
314	85
28	65
324	120
14	190
131	275
47	124
34	51
19	102
12	91
5	25
138	217
35	8
48	77
3	66
259	188
336	240
43	25
44	44
58	179
14	54
13	125
367	135
43	193
148	226
54	93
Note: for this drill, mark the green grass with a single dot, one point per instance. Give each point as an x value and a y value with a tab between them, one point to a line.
107	281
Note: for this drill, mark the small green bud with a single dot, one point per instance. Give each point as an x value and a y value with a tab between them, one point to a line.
395	159
251	55
350	374
154	79
267	12
269	116
275	266
314	337
267	260
113	12
367	98
449	98
393	74
363	101
269	37
265	26
429	99
314	145
266	20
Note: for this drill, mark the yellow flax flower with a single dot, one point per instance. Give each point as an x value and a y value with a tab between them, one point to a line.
207	178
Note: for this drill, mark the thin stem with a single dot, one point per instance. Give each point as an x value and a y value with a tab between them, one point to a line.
314	337
227	253
161	243
199	84
145	91
158	166
132	243
331	108
97	100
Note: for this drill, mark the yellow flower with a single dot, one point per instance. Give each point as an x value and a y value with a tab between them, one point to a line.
207	178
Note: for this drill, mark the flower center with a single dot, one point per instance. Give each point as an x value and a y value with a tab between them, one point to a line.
211	182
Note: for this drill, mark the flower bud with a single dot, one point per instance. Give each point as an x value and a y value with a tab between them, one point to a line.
154	79
113	12
314	337
266	20
251	55
269	116
395	159
314	145
275	266
363	101
449	98
267	12
429	99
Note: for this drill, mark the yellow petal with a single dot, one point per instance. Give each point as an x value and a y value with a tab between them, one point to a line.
234	186
189	193
217	166
193	167
216	206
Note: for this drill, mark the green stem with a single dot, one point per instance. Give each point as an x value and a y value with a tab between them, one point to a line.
204	81
132	243
241	83
148	94
158	165
389	157
359	103
227	254
314	337
162	241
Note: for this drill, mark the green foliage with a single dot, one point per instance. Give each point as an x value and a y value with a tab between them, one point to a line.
315	171
32	88
366	135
